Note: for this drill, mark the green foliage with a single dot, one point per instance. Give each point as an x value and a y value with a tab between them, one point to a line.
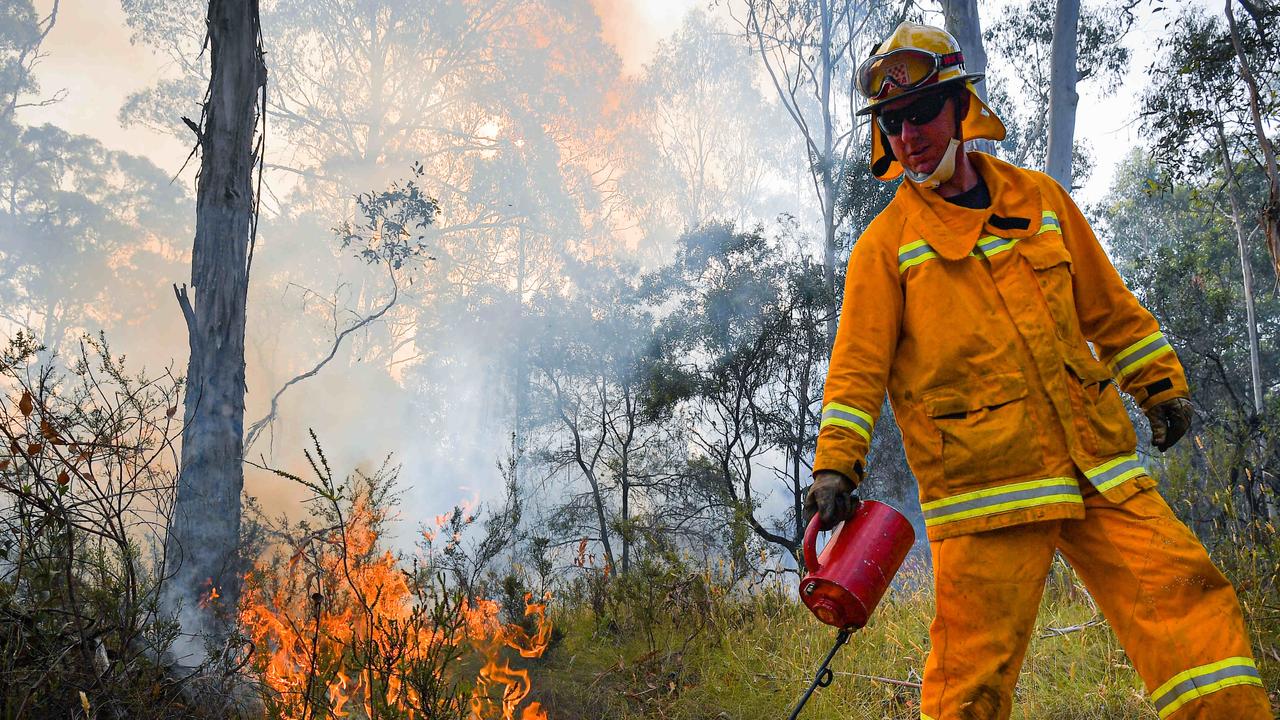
1177	249
1175	244
394	222
1195	88
744	337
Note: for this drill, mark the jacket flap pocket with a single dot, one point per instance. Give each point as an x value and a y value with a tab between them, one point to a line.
1044	252
975	394
1087	369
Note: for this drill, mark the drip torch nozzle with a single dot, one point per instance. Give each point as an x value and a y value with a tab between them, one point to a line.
824	676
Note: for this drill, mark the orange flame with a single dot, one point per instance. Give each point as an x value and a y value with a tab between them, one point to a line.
209	598
338	624
489	636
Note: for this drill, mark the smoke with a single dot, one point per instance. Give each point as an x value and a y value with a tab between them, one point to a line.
545	131
635	29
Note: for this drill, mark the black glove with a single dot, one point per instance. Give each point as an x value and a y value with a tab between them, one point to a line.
1169	422
831	498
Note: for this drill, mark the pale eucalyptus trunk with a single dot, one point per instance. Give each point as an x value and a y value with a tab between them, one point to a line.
961	19
203	537
829	178
1063	97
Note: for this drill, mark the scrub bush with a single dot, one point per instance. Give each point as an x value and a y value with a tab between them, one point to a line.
87	459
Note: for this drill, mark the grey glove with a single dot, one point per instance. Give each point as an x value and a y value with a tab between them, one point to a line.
1169	422
831	498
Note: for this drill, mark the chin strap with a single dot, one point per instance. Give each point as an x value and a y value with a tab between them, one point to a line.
942	173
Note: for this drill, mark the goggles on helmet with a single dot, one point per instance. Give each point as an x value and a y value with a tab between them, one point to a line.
904	68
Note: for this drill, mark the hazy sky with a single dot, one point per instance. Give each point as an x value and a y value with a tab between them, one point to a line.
89	55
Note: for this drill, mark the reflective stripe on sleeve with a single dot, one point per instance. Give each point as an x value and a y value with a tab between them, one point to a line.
1113	472
844	416
913	254
1204	680
1001	499
1140	353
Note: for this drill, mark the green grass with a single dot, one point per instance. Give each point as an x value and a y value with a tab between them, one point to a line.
743	658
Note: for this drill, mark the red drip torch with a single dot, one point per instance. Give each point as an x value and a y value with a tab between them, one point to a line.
846	582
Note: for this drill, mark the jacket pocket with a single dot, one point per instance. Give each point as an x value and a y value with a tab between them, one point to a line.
1102	420
985	430
1051	265
1045	251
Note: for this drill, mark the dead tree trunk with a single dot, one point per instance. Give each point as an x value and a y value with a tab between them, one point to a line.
1063	97
961	19
201	547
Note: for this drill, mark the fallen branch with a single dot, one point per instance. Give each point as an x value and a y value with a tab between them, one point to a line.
1059	632
885	680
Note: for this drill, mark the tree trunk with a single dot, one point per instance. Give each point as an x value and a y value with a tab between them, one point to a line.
1063	98
828	177
1246	270
522	354
201	547
961	19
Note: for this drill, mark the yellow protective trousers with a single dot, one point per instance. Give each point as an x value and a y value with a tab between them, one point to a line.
1175	614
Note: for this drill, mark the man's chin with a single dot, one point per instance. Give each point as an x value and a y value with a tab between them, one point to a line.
920	167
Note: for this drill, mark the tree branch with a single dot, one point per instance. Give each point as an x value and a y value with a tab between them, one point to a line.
257	428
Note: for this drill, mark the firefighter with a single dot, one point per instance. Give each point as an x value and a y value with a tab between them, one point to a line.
973	299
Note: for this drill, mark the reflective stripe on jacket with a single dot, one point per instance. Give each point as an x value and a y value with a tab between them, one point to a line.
979	324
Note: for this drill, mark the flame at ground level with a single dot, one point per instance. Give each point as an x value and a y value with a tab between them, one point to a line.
340	626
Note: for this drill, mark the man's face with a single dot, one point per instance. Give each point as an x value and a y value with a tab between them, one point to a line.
926	125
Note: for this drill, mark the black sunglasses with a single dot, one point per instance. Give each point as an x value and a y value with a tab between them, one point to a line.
917	113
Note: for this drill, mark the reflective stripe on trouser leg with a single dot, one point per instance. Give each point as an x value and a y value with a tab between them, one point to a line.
987	587
1175	614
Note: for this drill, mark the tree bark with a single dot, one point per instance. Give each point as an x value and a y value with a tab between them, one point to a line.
1063	97
203	537
961	19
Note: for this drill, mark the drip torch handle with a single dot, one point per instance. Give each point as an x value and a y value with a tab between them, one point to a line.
810	545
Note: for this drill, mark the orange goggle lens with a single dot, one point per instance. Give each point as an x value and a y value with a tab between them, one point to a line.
905	69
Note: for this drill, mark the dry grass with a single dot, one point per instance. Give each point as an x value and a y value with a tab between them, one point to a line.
752	657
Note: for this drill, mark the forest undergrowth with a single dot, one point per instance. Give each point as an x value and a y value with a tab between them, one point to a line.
480	622
708	653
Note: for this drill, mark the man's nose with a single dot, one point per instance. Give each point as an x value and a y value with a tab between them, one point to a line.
910	132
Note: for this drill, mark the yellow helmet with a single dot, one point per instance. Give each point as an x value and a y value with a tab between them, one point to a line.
917	59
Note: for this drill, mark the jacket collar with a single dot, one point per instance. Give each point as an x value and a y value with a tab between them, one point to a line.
953	231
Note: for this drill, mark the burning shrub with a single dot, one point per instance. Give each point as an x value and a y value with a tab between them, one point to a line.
342	628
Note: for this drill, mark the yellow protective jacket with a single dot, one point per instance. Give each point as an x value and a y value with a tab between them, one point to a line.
979	324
